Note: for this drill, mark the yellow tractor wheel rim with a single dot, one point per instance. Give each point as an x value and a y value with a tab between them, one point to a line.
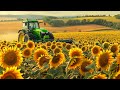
21	38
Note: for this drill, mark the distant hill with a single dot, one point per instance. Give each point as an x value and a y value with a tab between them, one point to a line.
24	16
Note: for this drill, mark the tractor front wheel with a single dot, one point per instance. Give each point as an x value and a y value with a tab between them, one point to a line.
23	37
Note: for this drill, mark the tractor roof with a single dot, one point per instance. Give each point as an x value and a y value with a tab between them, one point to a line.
29	20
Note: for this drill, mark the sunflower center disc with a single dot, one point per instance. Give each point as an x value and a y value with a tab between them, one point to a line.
10	58
104	60
9	76
56	59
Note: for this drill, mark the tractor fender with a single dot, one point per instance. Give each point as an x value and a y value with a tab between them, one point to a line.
19	31
24	31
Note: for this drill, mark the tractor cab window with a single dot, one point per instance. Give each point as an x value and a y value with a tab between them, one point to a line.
25	25
33	25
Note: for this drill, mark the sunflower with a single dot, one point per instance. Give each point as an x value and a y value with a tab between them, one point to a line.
106	45
19	45
99	76
75	52
104	60
11	73
53	46
48	44
80	45
31	44
64	44
53	42
84	48
57	50
68	46
24	46
43	46
11	57
27	52
39	52
117	75
58	43
83	65
114	48
59	46
118	58
57	60
74	62
43	59
95	50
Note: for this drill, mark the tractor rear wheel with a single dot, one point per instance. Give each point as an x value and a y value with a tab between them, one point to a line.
22	37
51	36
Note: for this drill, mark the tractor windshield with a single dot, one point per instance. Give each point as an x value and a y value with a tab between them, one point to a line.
33	25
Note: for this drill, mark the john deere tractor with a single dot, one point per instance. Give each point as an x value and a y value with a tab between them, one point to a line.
32	31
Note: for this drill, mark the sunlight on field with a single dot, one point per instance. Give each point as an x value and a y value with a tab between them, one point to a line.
113	19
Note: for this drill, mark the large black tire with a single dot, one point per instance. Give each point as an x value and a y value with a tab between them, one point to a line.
51	36
22	37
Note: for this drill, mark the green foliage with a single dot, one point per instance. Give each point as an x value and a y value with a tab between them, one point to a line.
57	23
117	16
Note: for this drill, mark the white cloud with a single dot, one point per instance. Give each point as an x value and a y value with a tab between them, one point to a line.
60	13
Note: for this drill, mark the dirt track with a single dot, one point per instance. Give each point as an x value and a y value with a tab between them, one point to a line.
10	36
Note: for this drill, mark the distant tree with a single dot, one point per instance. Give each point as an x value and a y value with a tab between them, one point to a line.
57	23
47	19
117	16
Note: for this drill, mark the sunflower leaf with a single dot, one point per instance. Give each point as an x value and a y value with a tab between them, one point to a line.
87	75
91	66
1	70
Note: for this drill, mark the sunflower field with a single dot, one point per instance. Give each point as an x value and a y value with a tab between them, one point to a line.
92	55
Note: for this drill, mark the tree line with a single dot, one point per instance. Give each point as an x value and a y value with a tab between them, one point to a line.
60	23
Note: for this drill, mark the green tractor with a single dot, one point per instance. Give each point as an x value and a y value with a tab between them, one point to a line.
32	31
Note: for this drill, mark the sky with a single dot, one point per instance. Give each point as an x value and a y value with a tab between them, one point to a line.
60	13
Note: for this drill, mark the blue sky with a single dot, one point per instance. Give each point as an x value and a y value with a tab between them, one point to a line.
60	13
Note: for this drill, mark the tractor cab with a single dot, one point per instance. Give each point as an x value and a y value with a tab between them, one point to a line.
31	24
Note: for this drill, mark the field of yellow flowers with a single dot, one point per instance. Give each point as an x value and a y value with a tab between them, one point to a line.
92	55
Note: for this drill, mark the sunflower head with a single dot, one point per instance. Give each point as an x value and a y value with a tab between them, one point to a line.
43	59
115	48
117	75
43	46
74	62
75	52
80	45
39	52
53	46
95	50
68	46
83	65
57	50
118	58
84	48
53	42
19	45
58	43
48	44
24	46
100	76
64	44
27	52
10	57
59	46
104	60
31	44
11	73
57	60
106	45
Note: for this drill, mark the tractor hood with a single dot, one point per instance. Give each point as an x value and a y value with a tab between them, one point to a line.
41	30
